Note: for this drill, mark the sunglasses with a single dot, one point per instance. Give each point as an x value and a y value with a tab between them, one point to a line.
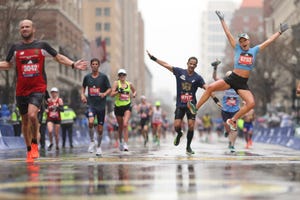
122	74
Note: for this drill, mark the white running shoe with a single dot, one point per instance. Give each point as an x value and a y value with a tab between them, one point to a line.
121	146
99	151
125	147
91	147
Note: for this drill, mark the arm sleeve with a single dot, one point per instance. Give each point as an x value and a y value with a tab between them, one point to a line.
10	54
48	50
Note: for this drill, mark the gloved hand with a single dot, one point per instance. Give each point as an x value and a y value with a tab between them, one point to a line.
120	90
215	64
220	14
151	56
283	27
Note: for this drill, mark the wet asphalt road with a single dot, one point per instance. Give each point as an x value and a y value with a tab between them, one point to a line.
165	172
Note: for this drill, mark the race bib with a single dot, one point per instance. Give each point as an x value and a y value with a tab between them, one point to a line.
94	91
246	59
53	114
143	115
231	101
185	97
30	70
124	97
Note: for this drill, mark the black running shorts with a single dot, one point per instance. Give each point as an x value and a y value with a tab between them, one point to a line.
237	82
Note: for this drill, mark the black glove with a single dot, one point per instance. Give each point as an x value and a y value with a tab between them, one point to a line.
120	90
152	57
215	64
283	27
220	14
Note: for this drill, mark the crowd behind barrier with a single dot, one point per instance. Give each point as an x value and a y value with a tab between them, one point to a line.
9	141
284	136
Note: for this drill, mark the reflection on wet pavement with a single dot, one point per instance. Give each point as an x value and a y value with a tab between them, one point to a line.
165	173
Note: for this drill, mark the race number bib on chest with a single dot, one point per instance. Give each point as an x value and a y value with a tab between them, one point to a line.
30	70
53	114
246	59
94	91
185	97
124	97
231	101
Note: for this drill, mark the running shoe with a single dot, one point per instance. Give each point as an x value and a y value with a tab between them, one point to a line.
121	147
189	151
232	149
250	142
116	145
34	150
91	147
57	148
50	147
247	145
125	147
99	151
29	157
177	139
232	124
192	108
158	142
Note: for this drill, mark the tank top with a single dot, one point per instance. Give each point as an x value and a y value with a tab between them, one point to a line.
123	99
157	115
53	111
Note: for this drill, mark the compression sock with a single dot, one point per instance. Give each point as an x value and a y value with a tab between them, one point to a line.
189	137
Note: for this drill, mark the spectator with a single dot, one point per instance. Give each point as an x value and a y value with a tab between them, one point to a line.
16	121
4	113
68	116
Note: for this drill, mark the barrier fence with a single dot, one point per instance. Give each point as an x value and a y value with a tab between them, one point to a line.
284	136
9	141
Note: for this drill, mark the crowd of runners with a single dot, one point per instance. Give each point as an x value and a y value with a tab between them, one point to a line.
31	89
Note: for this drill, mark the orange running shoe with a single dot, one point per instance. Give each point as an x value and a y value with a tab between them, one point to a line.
247	145
250	142
34	150
29	157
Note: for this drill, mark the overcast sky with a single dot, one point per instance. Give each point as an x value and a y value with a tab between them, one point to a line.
172	33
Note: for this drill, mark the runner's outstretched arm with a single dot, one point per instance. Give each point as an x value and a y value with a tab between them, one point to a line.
160	62
4	65
226	29
283	28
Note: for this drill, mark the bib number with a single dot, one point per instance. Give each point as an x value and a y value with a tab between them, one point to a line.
30	70
185	98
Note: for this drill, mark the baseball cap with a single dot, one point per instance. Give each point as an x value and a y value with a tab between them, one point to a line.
54	89
157	103
243	35
122	71
143	97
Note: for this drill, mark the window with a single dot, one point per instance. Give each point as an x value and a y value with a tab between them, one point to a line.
107	27
107	11
107	41
98	26
98	11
